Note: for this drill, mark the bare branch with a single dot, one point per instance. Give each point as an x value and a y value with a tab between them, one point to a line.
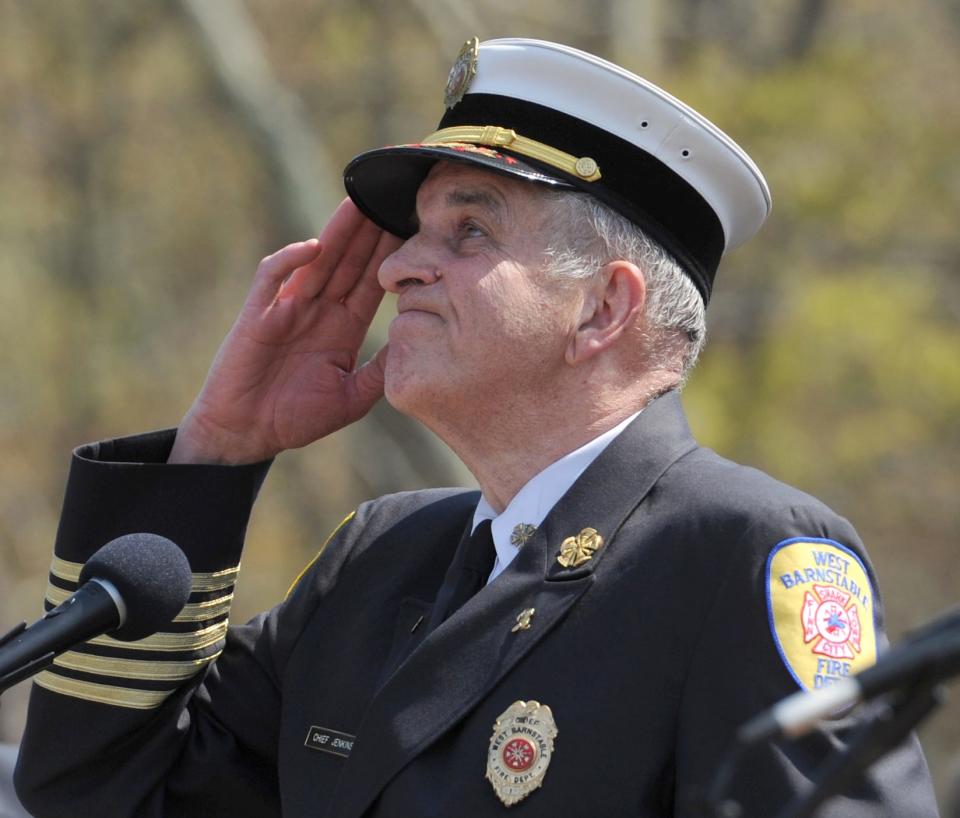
807	20
237	56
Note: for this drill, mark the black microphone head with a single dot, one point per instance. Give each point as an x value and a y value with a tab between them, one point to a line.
152	576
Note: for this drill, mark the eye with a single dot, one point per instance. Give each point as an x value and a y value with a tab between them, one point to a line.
469	229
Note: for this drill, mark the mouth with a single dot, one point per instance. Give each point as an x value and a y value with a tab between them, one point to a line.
405	307
415	311
412	316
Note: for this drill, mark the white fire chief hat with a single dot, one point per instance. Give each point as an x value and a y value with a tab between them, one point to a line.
558	116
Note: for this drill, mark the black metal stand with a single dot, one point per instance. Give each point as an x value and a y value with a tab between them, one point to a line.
891	720
25	672
715	804
891	723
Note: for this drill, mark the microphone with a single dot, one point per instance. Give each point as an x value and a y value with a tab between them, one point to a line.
130	588
929	654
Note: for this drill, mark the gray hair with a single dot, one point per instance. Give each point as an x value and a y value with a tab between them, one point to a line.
589	235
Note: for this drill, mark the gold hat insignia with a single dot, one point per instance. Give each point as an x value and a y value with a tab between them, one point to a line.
462	73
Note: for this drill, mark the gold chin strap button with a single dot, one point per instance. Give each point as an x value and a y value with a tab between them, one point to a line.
585	167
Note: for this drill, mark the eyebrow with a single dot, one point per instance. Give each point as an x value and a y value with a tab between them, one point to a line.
490	202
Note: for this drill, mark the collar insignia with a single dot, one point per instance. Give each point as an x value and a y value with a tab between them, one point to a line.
462	73
520	750
522	534
574	551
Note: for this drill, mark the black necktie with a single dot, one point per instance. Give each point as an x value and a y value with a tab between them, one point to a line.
479	555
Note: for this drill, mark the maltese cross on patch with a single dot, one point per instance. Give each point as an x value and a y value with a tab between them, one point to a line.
831	620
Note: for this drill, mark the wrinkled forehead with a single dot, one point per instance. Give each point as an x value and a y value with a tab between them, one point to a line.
455	184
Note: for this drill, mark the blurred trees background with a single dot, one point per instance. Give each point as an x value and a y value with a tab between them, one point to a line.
152	153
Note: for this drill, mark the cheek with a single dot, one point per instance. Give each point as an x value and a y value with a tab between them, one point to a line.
507	306
538	317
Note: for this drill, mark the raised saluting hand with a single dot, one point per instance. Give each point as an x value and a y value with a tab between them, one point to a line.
286	374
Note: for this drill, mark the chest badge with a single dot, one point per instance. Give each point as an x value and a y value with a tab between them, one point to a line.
520	750
574	551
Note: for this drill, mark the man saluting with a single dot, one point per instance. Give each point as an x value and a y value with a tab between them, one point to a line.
580	638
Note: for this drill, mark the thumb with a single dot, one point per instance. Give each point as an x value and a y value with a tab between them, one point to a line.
367	386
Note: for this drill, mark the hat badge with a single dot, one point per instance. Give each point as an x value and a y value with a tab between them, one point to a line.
462	73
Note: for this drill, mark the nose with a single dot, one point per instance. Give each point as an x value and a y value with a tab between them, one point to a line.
412	263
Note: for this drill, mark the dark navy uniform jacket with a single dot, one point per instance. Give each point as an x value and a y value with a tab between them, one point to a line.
650	654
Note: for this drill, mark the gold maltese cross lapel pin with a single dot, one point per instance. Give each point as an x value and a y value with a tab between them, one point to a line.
574	551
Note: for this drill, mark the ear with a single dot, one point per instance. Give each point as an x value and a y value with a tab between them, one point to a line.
610	308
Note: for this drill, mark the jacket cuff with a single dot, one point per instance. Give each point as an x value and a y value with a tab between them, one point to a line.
125	486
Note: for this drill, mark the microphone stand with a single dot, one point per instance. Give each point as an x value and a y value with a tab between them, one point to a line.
892	721
889	724
912	672
713	803
25	671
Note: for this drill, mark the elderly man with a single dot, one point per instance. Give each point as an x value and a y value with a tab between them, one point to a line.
580	639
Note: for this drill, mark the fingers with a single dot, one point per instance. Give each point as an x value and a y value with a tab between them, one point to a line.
276	267
347	232
341	265
342	225
367	293
349	241
352	264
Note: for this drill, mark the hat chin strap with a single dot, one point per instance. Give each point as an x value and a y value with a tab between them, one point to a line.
583	167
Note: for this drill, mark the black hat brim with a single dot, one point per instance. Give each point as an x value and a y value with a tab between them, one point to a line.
383	183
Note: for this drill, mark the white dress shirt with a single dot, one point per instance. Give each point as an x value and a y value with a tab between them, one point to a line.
533	502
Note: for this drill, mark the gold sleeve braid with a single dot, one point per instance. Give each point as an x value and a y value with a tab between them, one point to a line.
143	673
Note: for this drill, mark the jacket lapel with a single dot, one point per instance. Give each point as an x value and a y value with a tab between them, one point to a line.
460	660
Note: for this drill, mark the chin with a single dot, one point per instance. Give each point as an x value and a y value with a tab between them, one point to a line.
402	390
415	395
393	396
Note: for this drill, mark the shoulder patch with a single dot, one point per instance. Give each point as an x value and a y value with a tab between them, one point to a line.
821	608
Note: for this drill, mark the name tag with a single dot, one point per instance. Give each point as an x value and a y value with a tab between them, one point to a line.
329	741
